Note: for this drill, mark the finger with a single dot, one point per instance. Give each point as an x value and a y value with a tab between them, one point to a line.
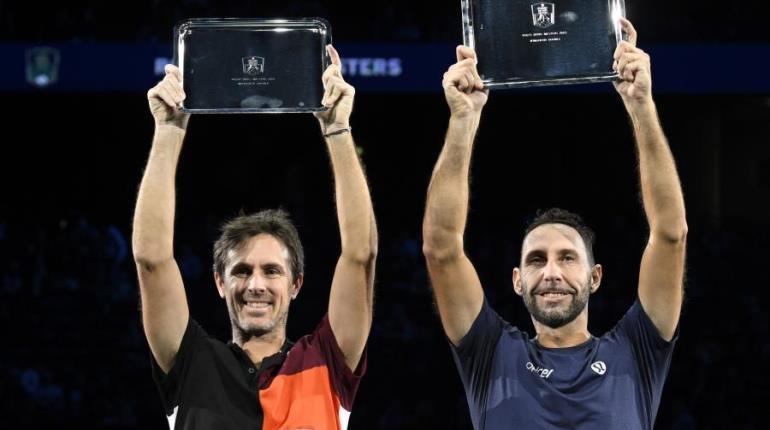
466	68
166	96
463	83
174	88
623	48
629	29
471	81
331	72
452	90
335	56
447	84
172	81
344	88
632	69
458	78
173	70
464	52
334	94
152	93
464	64
626	58
479	83
452	75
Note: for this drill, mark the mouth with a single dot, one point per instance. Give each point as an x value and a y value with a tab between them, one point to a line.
553	296
256	306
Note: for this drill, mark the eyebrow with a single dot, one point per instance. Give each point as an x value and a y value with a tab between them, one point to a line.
237	267
534	253
272	265
541	253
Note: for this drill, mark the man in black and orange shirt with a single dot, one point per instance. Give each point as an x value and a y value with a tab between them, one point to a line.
259	380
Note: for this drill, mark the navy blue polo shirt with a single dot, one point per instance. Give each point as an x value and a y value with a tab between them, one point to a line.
611	382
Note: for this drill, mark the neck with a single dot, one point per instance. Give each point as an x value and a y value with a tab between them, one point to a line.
572	334
259	347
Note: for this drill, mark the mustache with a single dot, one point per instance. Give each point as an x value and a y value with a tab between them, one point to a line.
267	297
550	288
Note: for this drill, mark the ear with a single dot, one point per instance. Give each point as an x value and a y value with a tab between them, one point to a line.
220	284
517	288
296	286
596	277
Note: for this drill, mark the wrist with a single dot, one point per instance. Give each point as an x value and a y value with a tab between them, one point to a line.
463	128
639	105
338	132
470	115
169	133
469	120
327	128
169	127
641	111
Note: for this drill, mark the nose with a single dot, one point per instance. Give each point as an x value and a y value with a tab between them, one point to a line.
552	272
257	285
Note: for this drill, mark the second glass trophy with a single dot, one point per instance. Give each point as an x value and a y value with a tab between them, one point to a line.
524	43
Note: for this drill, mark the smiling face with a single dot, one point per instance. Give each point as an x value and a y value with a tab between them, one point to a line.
258	287
556	277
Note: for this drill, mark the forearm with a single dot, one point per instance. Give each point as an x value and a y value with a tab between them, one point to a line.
153	232
447	201
358	231
661	190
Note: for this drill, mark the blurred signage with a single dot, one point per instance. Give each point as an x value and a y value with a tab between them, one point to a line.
405	68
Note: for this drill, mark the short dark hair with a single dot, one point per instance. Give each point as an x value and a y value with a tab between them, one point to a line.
274	222
562	216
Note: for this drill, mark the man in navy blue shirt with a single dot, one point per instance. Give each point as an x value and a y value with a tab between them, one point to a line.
563	378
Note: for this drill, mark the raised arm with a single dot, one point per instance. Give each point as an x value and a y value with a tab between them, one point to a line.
350	300
661	274
164	305
456	285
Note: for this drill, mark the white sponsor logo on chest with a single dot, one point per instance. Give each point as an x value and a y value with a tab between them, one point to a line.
540	371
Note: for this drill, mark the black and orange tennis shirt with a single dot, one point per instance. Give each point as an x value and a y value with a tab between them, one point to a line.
214	385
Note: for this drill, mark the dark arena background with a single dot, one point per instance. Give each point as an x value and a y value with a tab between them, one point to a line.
74	144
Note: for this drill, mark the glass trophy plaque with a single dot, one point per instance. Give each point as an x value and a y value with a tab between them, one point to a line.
234	65
525	43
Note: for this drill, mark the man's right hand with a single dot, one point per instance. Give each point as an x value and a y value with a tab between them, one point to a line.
463	87
165	98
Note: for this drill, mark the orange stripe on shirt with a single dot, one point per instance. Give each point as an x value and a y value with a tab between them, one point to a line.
304	400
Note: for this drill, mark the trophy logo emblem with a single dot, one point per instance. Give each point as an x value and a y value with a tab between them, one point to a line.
253	65
543	14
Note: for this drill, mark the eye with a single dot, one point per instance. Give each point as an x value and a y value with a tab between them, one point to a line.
241	272
536	261
568	258
273	271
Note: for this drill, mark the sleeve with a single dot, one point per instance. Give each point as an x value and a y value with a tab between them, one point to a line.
475	353
651	352
169	384
344	381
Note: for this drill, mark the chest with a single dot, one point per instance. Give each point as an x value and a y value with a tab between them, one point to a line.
592	386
